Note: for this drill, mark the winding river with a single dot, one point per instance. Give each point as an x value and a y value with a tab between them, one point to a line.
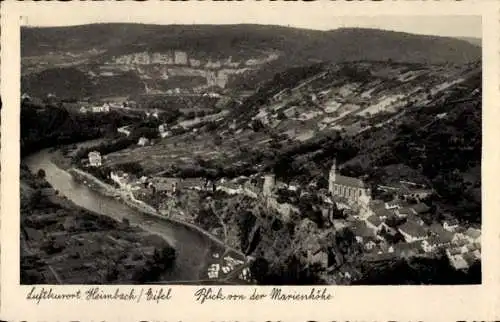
193	248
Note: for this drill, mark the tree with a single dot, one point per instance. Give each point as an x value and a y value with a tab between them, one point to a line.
41	173
257	125
218	140
259	269
281	115
126	222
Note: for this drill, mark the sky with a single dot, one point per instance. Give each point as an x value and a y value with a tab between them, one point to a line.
310	17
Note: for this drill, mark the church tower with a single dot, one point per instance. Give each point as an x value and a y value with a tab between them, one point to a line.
333	175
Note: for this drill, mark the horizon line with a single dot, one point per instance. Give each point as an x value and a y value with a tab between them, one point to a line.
247	24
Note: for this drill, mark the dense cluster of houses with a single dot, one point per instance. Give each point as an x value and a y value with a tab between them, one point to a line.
378	224
104	108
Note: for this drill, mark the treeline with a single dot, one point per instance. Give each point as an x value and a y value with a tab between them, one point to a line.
51	126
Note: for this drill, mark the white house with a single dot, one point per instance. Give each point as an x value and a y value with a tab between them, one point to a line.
163	128
403	212
142	141
95	159
450	225
83	109
124	130
412	231
165	134
100	109
459	239
433	242
392	205
374	223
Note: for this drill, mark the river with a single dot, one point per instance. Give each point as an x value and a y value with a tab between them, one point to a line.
193	248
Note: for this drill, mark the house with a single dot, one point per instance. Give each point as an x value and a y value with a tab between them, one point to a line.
457	261
374	223
444	236
389	229
473	235
414	193
395	204
459	239
371	208
165	185
193	183
450	224
269	185
469	258
403	212
83	110
251	190
162	128
412	231
420	208
382	213
361	231
47	192
432	243
165	134
121	179
95	159
143	141
100	109
406	249
320	258
370	244
124	130
230	188
25	97
415	218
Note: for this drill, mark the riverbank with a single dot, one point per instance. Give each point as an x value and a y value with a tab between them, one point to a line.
110	191
62	243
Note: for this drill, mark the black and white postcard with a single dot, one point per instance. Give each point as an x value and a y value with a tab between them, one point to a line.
250	160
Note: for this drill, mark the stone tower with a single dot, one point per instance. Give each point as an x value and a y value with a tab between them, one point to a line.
332	176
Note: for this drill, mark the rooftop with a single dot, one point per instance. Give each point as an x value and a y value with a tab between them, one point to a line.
413	229
349	181
443	235
473	233
420	208
360	229
451	221
374	220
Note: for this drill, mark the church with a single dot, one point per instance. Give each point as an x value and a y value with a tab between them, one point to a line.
352	189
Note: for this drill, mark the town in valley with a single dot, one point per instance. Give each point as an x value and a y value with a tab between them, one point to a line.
249	154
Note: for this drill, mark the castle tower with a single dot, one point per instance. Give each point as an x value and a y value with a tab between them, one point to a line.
269	182
333	175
